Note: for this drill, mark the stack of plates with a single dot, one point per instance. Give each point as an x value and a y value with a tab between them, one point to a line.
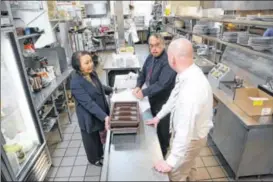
244	37
214	30
230	37
268	18
252	17
227	16
240	18
261	43
201	29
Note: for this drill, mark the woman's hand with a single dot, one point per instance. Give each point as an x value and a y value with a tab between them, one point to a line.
107	122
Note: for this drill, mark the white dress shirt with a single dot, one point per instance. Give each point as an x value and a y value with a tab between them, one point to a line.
191	107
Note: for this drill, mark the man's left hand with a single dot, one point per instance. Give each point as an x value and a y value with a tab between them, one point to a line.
139	94
163	167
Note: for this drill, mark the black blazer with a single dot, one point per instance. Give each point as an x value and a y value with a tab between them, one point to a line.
162	80
91	104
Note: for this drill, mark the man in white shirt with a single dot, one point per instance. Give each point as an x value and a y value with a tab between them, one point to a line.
190	105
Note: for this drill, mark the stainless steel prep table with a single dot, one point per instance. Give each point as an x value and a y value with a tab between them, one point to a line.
109	66
131	157
245	142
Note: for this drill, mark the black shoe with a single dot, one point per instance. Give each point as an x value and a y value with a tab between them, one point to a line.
98	163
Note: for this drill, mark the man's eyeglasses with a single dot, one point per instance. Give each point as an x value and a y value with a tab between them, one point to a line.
154	45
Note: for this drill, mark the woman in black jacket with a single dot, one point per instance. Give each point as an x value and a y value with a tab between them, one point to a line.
91	106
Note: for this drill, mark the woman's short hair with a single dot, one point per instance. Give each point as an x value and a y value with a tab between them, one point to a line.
75	60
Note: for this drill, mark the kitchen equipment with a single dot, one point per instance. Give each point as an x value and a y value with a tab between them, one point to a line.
5	21
204	64
213	30
268	86
37	84
20	116
32	30
139	21
220	73
201	29
230	37
243	38
229	87
203	50
261	43
56	57
178	23
96	8
17	149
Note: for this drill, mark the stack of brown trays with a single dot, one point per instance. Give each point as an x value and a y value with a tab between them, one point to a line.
125	117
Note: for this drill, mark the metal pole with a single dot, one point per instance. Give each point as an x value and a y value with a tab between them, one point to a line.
120	21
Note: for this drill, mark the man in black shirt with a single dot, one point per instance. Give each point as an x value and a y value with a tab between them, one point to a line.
160	80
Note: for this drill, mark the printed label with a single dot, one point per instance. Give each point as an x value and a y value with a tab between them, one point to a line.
258	103
266	111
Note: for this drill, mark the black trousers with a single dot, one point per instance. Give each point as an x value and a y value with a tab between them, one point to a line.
163	131
92	145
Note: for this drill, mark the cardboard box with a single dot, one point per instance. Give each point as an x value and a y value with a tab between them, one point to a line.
254	101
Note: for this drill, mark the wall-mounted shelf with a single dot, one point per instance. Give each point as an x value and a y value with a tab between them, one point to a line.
7	29
25	9
183	17
234	21
240	22
60	20
29	36
266	54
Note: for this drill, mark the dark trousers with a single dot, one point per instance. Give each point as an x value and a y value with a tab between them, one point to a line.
163	131
92	145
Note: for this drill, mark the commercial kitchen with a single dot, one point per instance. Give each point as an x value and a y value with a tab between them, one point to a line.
40	135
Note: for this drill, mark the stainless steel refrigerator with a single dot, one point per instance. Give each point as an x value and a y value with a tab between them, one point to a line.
24	154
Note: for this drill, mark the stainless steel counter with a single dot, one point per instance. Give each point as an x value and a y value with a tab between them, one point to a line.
131	157
111	65
247	121
41	97
244	141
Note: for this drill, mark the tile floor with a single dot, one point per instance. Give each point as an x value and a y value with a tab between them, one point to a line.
70	162
69	158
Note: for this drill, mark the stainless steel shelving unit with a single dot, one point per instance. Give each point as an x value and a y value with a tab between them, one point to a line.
266	54
234	21
47	93
239	22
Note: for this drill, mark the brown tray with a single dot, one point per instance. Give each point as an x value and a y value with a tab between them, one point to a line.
127	124
125	108
124	130
127	114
